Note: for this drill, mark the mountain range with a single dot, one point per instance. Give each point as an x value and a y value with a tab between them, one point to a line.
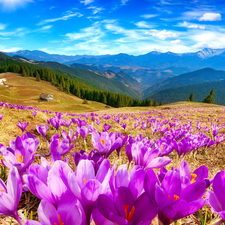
143	76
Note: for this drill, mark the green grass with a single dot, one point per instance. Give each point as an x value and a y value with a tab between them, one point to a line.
26	91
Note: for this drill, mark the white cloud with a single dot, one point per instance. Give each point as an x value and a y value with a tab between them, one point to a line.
202	45
176	42
191	25
66	17
161	34
11	5
9	49
46	27
2	26
143	24
96	9
93	33
124	2
210	17
86	2
148	16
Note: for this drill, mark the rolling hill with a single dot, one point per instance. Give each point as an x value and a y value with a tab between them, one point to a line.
200	91
199	76
103	82
26	91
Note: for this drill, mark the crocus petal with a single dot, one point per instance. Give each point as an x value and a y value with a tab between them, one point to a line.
158	162
32	222
172	183
106	207
136	184
193	191
123	196
84	172
160	197
47	213
99	219
149	184
145	210
201	172
214	202
38	188
14	185
122	177
7	205
185	170
218	185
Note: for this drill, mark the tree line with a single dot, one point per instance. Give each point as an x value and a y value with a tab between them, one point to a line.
69	85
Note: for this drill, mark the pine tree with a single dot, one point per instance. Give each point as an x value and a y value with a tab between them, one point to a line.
209	98
36	74
191	97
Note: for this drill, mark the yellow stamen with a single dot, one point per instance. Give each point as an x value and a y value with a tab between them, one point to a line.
20	158
2	190
84	180
193	175
162	147
102	141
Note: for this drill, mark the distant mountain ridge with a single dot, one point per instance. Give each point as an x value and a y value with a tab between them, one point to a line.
195	77
200	91
154	60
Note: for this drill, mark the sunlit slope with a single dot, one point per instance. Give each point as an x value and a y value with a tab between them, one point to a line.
26	91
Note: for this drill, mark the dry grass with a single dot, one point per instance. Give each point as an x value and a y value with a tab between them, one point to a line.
183	111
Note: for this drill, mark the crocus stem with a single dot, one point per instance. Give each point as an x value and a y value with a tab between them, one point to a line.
19	220
85	146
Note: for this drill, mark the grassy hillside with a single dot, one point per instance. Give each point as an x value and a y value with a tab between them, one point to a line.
196	77
200	91
26	91
102	82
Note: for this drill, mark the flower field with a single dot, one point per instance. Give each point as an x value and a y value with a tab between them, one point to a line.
162	166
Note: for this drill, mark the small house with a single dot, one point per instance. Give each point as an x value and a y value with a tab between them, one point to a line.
2	81
46	97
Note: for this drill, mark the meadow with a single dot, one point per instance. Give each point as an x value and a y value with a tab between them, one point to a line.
155	126
139	165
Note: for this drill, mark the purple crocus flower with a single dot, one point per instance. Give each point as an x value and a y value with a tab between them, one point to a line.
133	180
22	125
42	129
124	209
87	186
174	202
83	131
106	127
10	194
55	122
104	142
20	153
61	146
97	121
147	157
50	215
187	177
216	199
51	184
70	136
123	125
93	156
34	113
1	116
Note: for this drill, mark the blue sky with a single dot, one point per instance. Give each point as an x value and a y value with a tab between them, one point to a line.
96	27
